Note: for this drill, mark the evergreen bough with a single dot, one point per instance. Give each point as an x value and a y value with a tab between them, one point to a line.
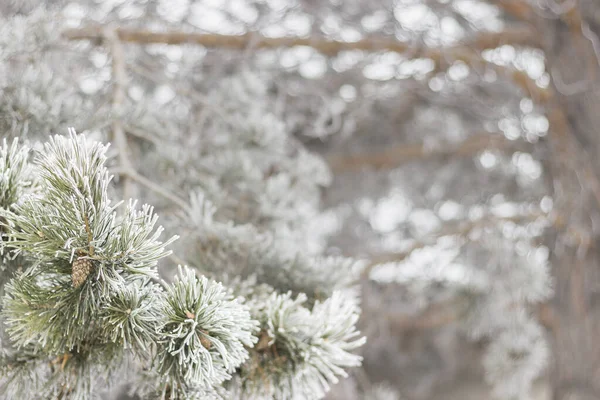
84	300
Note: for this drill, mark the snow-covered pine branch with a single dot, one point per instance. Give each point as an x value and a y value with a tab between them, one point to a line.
85	299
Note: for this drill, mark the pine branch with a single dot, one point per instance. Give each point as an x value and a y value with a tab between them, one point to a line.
206	333
301	350
85	298
13	172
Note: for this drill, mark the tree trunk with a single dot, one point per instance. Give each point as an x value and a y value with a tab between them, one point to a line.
574	168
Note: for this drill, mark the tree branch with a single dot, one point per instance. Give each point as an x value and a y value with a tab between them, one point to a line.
461	228
119	75
434	316
538	94
400	154
441	314
520	36
468	52
126	168
518	9
442	57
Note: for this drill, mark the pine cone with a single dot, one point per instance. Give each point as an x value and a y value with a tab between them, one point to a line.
204	341
82	267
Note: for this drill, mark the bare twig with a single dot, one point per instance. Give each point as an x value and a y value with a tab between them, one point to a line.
444	313
435	316
182	90
126	168
518	9
141	134
142	180
461	228
400	154
538	94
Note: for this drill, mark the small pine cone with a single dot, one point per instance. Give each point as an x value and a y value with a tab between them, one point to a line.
205	341
82	268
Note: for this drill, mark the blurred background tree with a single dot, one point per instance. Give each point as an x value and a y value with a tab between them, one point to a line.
460	134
